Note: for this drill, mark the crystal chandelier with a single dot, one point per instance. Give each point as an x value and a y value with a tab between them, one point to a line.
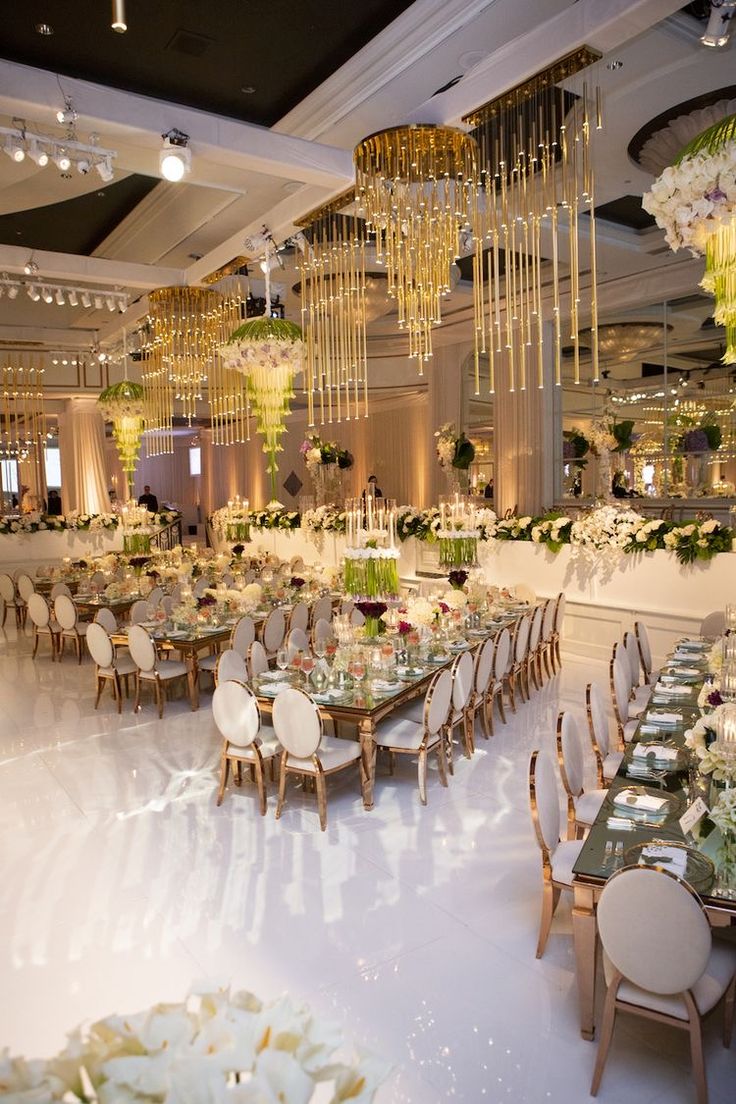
416	187
536	174
22	416
333	293
186	327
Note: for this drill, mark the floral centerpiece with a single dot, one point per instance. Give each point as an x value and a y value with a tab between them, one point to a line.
325	461
215	1046
575	446
458	534
275	517
233	520
371	572
325	519
136	523
457	579
553	530
694	201
455	454
373	613
422	524
698	540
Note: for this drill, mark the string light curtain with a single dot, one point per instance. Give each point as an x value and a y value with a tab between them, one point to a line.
536	173
22	415
416	187
333	294
185	328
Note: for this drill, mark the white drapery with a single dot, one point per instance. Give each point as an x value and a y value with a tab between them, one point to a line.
84	479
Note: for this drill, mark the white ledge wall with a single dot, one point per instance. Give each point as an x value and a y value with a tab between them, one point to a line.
29	550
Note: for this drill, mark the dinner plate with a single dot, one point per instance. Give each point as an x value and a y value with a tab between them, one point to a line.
624	802
699	870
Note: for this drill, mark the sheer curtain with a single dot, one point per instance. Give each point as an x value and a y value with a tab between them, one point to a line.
84	478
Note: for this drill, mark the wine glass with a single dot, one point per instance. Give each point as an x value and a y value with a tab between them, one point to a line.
282	659
357	668
307	665
320	647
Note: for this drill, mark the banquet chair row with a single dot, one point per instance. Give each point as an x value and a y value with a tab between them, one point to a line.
11	600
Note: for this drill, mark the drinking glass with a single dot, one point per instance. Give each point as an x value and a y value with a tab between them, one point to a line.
282	659
320	647
307	664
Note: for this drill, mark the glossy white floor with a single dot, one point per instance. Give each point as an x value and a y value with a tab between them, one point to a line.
416	927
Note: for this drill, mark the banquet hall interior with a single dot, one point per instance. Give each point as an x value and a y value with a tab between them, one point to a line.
367	498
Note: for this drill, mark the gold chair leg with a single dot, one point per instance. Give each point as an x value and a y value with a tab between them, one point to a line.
261	783
35	642
100	682
728	1010
422	772
609	1020
501	705
696	1050
319	781
137	702
282	786
548	910
224	771
117	687
441	760
486	723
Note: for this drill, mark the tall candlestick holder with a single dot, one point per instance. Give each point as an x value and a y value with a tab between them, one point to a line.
371	554
235	520
135	523
458	534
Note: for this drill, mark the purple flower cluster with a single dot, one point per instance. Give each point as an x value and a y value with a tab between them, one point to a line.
405	627
568	450
715	699
695	440
296	582
458	578
205	601
372	609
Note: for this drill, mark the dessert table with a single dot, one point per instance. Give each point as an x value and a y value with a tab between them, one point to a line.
619	833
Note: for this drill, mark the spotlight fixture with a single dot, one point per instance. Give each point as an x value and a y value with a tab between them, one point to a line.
83	166
175	159
98	302
37	154
34	293
104	168
62	159
59	297
47	295
30	267
110	302
13	291
72	297
15	150
86	299
118	16
66	115
718	30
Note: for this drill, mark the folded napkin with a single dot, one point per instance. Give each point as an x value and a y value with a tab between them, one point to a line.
661	753
645	803
694	645
673	859
681	670
271	689
384	686
664	718
671	689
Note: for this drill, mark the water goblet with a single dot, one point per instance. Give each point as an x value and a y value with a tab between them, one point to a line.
282	659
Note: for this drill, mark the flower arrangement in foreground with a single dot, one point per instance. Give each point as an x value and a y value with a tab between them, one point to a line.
213	1048
694	201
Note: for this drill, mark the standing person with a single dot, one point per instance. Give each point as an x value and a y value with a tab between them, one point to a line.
54	505
148	500
373	487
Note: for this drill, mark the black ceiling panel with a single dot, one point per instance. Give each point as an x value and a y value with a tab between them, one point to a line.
76	225
202	55
626	211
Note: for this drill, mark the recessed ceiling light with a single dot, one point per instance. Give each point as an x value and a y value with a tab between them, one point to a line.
44	29
291	186
247	89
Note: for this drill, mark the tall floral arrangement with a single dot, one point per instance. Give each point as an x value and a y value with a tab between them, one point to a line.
454	450
122	404
694	201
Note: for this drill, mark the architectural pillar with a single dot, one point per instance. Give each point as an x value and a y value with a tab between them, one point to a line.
528	441
84	478
447	403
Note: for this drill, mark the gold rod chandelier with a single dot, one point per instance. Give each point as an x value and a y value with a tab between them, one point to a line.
536	174
186	327
416	187
333	305
22	414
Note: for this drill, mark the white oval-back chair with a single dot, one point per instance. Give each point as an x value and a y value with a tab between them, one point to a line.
407	737
150	669
583	805
109	667
245	739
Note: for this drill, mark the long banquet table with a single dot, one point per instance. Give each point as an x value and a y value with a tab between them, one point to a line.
598	858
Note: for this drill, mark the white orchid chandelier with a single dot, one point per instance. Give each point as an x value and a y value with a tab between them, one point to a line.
122	404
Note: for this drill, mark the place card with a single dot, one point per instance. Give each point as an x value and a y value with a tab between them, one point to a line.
668	720
693	814
657	751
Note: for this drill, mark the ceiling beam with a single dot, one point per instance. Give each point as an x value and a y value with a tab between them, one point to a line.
602	24
223	149
91	270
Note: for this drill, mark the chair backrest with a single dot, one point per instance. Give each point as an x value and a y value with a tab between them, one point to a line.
535	629
597	719
620	688
346	607
524	593
25	586
296	564
167	604
548	618
140	611
107	619
97	579
322	609
570	754
631	648
202	584
243	635
560	612
7	588
298	641
484	666
462	680
544	799
249	575
65	612
176	594
297	722
155	596
521	638
235	712
645	650
501	655
654	930
356	618
437	702
59	588
100	645
257	659
38	610
322	630
228	579
299	618
274	631
141	648
714	624
231	667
